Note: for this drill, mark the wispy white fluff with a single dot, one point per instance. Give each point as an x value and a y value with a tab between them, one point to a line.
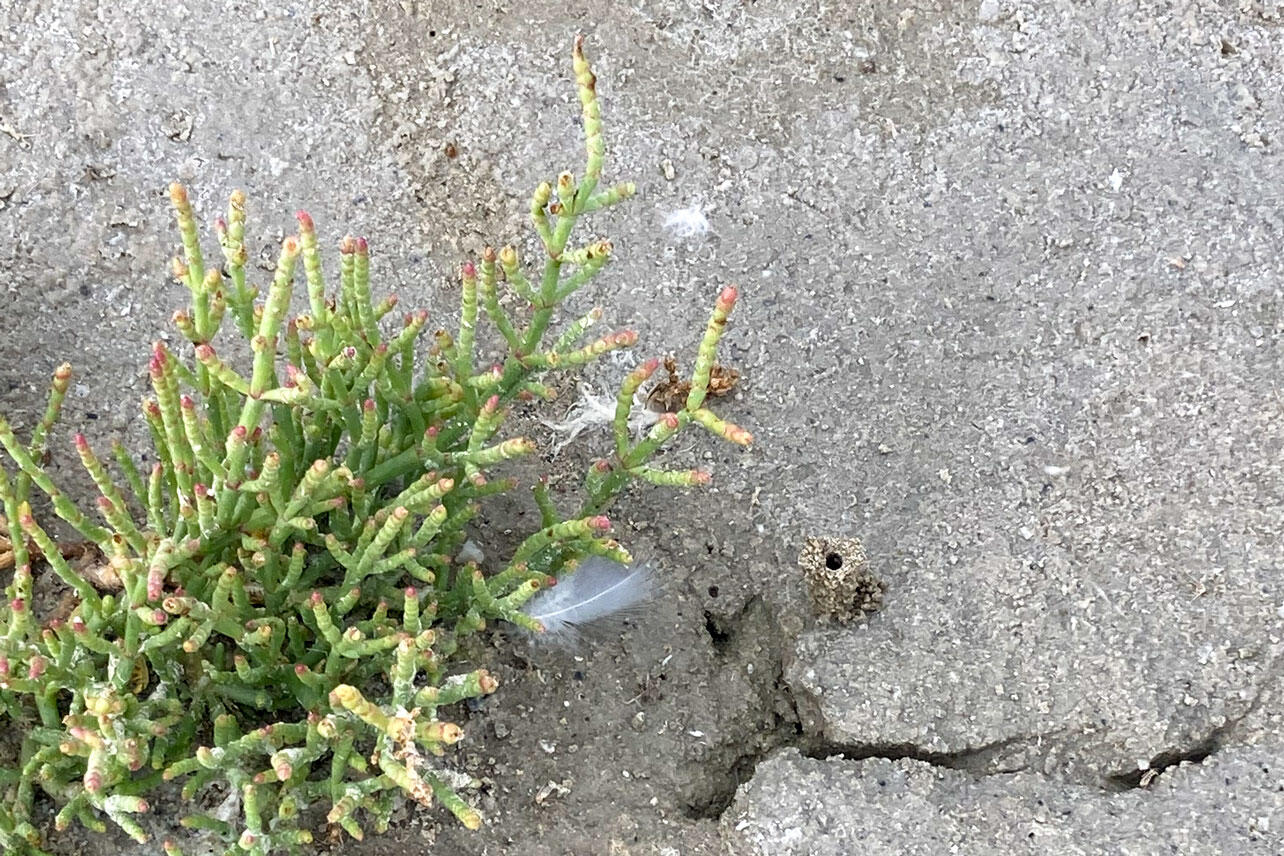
687	222
593	410
596	594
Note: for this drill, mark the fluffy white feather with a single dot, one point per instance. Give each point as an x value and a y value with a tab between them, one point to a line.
593	410
595	594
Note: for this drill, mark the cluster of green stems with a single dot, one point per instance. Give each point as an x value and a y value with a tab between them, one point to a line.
287	570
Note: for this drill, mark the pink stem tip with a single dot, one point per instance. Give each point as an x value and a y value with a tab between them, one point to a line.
728	297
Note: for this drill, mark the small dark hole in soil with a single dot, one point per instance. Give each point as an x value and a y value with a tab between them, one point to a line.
713	591
833	561
718	634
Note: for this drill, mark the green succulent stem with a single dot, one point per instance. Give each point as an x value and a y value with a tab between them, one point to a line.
275	605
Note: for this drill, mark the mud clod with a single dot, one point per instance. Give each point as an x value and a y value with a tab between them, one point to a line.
839	579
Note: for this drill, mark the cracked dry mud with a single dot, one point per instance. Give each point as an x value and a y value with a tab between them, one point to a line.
1011	316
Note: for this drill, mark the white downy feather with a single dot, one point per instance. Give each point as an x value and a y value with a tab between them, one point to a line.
592	410
595	594
688	222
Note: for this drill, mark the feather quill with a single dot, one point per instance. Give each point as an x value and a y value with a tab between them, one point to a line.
598	594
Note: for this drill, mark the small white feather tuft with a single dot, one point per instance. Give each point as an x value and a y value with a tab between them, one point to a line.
596	593
687	222
593	410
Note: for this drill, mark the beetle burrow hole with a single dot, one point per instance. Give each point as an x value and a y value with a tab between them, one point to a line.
833	561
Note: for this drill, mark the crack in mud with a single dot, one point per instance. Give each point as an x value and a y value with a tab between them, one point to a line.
1139	778
729	635
1201	750
978	760
737	764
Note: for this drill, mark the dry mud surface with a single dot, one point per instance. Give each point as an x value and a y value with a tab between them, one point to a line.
1012	281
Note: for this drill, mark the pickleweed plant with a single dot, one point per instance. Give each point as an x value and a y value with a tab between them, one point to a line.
268	614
